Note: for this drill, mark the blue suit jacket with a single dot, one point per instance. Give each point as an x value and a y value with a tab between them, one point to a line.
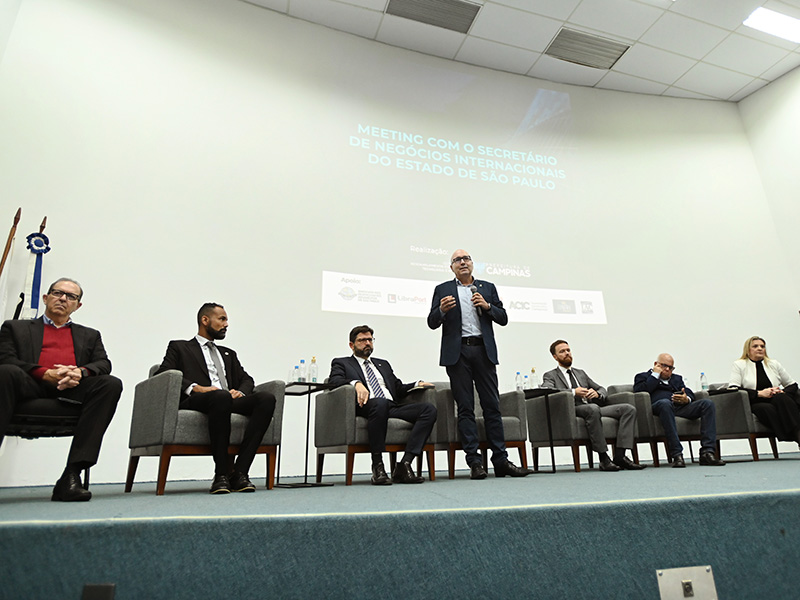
660	389
347	369
451	321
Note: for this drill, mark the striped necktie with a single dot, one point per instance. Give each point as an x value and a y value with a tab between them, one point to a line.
372	379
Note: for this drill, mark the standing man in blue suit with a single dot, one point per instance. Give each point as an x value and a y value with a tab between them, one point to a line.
466	308
670	397
379	396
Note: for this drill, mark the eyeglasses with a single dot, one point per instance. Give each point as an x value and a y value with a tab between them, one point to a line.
370	340
669	367
60	293
459	259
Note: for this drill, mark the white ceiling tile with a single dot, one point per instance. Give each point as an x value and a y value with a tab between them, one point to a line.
683	35
553	69
336	15
557	10
652	63
745	55
751	87
279	5
783	66
767	38
727	14
628	83
604	15
515	27
713	81
679	93
783	7
485	53
406	33
372	4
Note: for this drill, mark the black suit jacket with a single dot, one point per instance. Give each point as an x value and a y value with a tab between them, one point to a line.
187	357
451	332
21	345
660	389
347	369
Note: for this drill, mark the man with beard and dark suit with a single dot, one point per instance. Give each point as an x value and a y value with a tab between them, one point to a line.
591	404
465	308
53	357
379	396
215	383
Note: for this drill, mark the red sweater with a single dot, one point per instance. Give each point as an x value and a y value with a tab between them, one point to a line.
57	349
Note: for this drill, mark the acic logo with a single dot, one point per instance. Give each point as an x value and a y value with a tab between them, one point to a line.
520	305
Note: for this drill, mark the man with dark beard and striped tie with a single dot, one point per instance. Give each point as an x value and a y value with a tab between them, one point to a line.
379	396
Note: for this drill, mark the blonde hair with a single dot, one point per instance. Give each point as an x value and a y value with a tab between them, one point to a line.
746	349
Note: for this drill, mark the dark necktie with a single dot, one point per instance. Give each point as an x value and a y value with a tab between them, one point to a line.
212	350
372	379
572	381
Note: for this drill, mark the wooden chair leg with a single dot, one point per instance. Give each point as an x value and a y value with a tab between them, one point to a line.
523	456
349	462
133	463
654	451
163	467
320	461
635	453
392	462
431	466
589	455
271	456
774	443
451	461
576	456
753	446
535	454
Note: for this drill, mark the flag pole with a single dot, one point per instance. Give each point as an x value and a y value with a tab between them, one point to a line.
11	238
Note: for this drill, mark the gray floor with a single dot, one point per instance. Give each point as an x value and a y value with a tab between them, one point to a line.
189	499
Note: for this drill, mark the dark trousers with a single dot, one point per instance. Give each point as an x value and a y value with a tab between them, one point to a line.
378	411
666	410
219	405
475	368
98	396
780	413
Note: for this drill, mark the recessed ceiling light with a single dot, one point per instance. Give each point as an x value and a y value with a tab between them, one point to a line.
774	23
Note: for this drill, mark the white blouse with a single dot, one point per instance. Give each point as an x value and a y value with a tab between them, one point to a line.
743	374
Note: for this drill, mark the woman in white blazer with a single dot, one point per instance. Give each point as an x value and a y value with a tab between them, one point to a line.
772	391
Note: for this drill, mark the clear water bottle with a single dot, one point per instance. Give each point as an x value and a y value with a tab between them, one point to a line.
518	381
303	371
313	372
294	374
703	381
526	385
534	383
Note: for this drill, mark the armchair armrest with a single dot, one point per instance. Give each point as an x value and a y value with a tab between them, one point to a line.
155	410
278	389
562	417
734	415
644	410
335	417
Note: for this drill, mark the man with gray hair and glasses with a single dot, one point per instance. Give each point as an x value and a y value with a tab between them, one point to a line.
53	357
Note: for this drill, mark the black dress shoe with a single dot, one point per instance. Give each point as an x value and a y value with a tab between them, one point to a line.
379	476
477	471
240	482
510	469
403	473
69	489
627	464
677	462
606	464
709	459
221	485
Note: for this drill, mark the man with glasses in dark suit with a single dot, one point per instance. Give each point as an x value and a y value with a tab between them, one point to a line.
53	357
671	398
466	308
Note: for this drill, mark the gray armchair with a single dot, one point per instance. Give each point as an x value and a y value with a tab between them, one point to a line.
512	410
569	429
159	428
338	430
749	427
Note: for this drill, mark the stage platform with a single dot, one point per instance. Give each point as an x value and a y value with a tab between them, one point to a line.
562	535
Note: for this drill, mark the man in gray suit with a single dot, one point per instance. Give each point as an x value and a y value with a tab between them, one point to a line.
591	404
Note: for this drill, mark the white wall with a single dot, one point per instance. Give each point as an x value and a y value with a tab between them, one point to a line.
197	150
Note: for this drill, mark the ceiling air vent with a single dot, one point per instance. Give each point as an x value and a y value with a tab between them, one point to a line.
455	15
585	49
